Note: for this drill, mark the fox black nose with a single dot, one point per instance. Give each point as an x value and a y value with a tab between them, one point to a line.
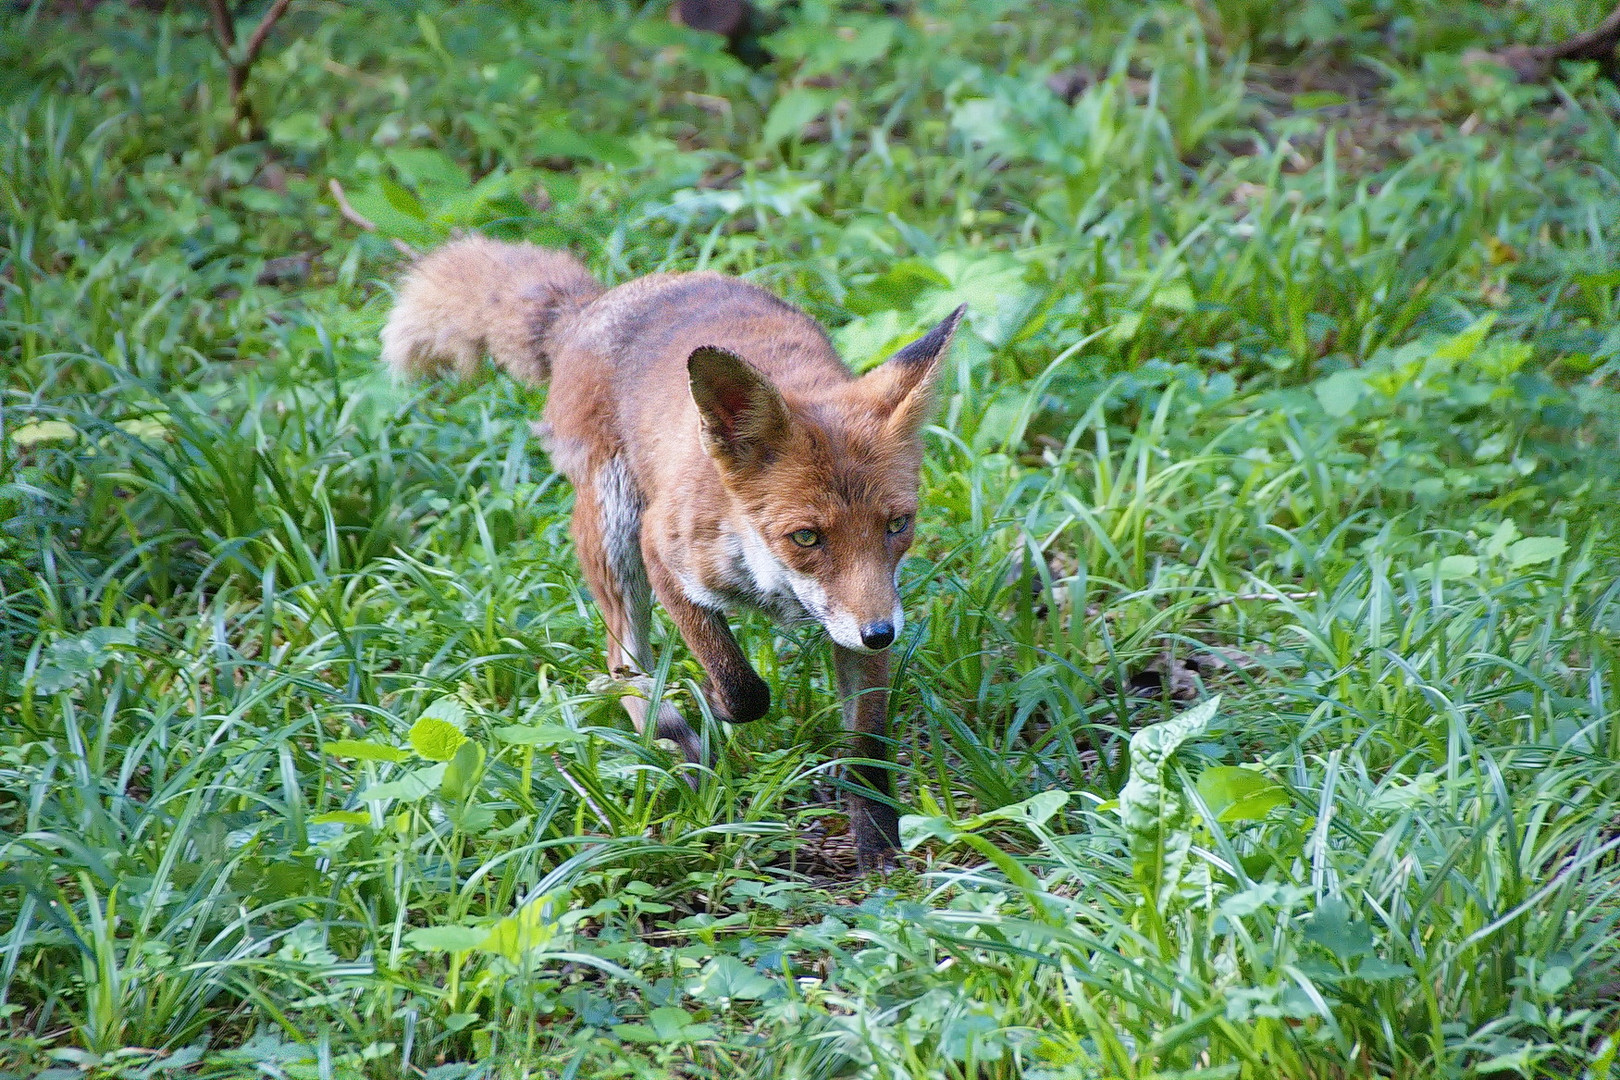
878	635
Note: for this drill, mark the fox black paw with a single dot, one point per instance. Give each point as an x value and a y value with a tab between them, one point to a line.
741	700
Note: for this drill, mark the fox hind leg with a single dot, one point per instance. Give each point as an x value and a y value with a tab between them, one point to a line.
607	537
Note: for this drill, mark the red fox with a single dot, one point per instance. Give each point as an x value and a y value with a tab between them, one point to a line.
722	457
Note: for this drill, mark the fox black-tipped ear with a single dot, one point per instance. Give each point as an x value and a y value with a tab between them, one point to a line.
907	380
744	418
932	345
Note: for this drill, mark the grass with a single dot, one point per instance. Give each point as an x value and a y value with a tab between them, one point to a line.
1256	714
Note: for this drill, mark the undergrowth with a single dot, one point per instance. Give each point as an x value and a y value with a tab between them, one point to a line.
1257	708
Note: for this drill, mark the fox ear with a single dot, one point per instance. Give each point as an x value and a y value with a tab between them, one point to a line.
744	419
906	382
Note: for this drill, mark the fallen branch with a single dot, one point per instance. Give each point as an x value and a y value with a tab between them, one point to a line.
355	217
1533	63
1239	598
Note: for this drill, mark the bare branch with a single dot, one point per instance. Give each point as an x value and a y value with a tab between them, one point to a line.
1241	598
224	28
350	214
1596	44
256	42
355	217
239	64
1533	63
607	822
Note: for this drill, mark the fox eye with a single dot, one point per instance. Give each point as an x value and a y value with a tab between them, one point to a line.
898	523
805	537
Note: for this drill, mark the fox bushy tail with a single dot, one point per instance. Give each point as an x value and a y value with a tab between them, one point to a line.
475	297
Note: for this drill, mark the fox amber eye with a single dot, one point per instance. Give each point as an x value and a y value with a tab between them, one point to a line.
805	537
898	523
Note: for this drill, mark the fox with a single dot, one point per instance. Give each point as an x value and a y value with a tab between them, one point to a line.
723	457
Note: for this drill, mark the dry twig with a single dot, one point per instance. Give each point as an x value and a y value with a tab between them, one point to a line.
355	217
607	823
239	63
1239	598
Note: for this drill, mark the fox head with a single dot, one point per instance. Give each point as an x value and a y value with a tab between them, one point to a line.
825	482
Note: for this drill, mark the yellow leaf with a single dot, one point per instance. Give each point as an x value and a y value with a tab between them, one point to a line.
39	431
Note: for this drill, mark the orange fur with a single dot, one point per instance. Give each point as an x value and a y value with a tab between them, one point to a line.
709	430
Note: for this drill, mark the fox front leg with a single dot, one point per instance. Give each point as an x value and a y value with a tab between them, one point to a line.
863	686
735	691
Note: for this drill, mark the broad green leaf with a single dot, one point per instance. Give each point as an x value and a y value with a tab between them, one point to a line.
374	205
1340	392
1262	896
670	1022
1465	344
1492	447
869	340
68	660
451	709
471	818
1154	812
1174	296
725	978
361	750
1256	807
555	138
452	939
401	199
540	736
38	431
916	828
991	284
303	130
871	41
530	927
791	112
1125	327
474	205
1237	794
435	739
1035	810
1405	794
414	785
1504	534
342	817
896	289
1333	928
462	774
429	170
608	149
1377	969
145	427
1534	550
1459	568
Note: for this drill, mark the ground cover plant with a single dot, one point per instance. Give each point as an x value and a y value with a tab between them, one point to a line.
1257	712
